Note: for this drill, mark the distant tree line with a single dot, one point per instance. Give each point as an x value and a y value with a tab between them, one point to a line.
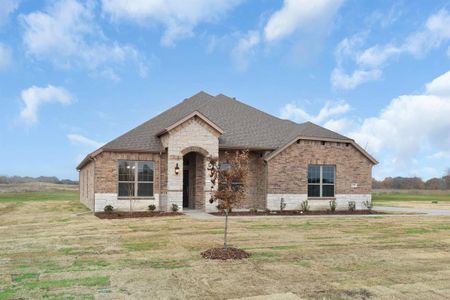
442	183
24	179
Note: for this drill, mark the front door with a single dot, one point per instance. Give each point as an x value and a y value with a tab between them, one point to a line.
185	188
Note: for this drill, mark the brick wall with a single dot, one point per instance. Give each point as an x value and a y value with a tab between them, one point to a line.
288	171
199	181
106	168
87	185
256	181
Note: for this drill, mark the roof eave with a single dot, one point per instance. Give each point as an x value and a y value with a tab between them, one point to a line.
92	155
271	155
189	116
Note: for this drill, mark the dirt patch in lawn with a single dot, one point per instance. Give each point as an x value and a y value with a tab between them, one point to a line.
137	214
159	258
299	213
224	254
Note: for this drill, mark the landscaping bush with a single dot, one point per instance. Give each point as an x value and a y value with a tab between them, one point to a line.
304	206
253	210
351	205
175	207
151	207
108	208
368	204
267	211
333	205
282	204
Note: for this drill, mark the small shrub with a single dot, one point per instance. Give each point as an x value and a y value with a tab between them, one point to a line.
267	211
304	206
368	204
434	202
108	208
253	210
282	204
175	207
151	207
351	205
333	205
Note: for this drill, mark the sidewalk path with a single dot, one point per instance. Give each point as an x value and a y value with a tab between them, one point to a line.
427	211
396	211
199	215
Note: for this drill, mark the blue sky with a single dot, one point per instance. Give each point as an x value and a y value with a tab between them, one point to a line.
76	74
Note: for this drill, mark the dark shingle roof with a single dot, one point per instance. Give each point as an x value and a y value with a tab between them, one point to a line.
243	125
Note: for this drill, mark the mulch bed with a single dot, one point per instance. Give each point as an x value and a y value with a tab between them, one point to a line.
221	253
299	213
137	214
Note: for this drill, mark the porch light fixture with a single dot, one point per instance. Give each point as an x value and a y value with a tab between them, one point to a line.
177	169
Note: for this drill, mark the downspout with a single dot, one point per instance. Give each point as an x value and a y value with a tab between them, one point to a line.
159	180
94	159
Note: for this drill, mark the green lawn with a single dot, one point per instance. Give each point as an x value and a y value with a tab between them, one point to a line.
51	247
398	196
40	196
412	199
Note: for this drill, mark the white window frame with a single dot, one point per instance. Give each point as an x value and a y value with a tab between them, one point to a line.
136	179
321	184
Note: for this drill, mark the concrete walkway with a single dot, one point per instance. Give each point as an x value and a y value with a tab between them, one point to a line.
396	211
427	211
199	215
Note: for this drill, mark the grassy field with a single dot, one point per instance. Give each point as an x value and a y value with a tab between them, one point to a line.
412	198
56	249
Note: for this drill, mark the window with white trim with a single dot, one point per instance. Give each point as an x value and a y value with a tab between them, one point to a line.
135	178
321	179
235	185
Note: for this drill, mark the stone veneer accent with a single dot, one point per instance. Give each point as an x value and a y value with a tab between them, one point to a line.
103	199
293	201
187	137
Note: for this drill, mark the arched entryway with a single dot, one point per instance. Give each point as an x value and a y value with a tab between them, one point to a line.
193	180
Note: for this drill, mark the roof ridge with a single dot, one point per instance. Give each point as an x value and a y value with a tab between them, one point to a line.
326	129
254	108
201	93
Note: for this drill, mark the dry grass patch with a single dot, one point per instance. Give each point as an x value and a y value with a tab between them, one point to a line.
54	249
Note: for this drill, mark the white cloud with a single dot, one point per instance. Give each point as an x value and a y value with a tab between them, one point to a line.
440	155
178	17
340	79
408	129
435	32
440	86
7	7
300	15
34	97
342	126
5	57
67	35
78	139
369	62
298	114
243	51
377	55
408	125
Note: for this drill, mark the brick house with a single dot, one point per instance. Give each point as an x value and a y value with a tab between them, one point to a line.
164	160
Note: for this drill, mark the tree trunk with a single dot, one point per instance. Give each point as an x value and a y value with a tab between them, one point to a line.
225	244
